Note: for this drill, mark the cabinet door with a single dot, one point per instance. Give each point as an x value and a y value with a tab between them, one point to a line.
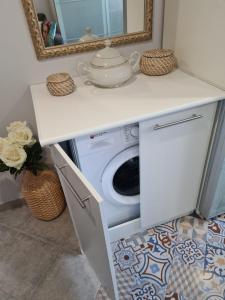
85	207
173	149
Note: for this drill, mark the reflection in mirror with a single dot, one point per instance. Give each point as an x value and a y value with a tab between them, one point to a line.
76	21
62	27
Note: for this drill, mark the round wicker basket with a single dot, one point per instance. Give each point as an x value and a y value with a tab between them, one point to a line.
60	84
157	62
43	194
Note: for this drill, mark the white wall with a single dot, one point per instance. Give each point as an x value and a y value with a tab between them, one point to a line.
196	30
170	23
19	68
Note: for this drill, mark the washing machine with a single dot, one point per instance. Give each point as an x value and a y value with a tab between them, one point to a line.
110	161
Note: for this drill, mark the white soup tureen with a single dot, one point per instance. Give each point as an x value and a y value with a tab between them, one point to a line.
109	68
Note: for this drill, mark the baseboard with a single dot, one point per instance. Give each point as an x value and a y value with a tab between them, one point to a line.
124	230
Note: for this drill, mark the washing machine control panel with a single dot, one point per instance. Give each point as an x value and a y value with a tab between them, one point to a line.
131	133
108	141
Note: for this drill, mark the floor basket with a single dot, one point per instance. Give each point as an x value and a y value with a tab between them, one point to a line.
43	194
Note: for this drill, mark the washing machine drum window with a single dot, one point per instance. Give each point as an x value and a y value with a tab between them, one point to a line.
120	179
126	180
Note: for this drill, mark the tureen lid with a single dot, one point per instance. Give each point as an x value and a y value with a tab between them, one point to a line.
108	57
88	36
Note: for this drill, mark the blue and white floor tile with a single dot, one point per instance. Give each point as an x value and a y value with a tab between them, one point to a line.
181	260
216	233
190	252
184	281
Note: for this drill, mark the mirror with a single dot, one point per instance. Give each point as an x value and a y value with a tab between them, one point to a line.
60	27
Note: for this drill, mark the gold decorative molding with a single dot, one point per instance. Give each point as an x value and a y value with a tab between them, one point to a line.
43	52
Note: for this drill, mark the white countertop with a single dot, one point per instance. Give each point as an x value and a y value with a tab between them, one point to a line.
90	109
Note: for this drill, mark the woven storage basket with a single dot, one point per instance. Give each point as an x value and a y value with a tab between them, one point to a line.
43	194
60	84
157	62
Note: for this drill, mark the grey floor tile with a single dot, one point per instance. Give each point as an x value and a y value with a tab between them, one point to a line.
24	261
4	296
59	231
14	216
71	278
7	238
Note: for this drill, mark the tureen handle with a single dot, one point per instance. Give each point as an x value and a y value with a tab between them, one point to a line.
134	61
82	69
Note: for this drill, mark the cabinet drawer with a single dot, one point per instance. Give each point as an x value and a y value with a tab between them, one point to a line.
173	150
86	211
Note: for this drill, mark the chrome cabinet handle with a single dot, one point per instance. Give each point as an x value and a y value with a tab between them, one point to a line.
80	200
193	117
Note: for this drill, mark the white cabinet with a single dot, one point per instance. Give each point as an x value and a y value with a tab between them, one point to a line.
172	154
173	149
172	158
85	207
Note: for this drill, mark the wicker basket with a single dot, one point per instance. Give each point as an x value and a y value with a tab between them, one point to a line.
157	62
43	194
60	84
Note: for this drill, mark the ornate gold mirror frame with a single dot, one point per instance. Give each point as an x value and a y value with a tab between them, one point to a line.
43	52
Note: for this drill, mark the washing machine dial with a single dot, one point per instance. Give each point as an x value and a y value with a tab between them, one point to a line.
134	131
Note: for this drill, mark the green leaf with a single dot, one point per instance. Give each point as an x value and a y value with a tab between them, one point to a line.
34	156
17	173
13	171
3	167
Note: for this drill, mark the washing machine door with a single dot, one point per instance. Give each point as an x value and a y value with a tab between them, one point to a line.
121	178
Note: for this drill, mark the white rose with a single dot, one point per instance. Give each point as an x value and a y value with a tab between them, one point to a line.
22	136
13	155
3	143
16	125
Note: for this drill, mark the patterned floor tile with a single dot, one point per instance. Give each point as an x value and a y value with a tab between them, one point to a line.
125	283
181	260
154	270
220	218
101	294
172	296
137	239
190	252
216	234
215	261
192	228
185	227
184	280
200	229
215	297
164	238
147	291
142	262
125	257
170	227
160	244
211	285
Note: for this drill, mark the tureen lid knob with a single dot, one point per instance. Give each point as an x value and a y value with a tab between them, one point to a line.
88	30
108	56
